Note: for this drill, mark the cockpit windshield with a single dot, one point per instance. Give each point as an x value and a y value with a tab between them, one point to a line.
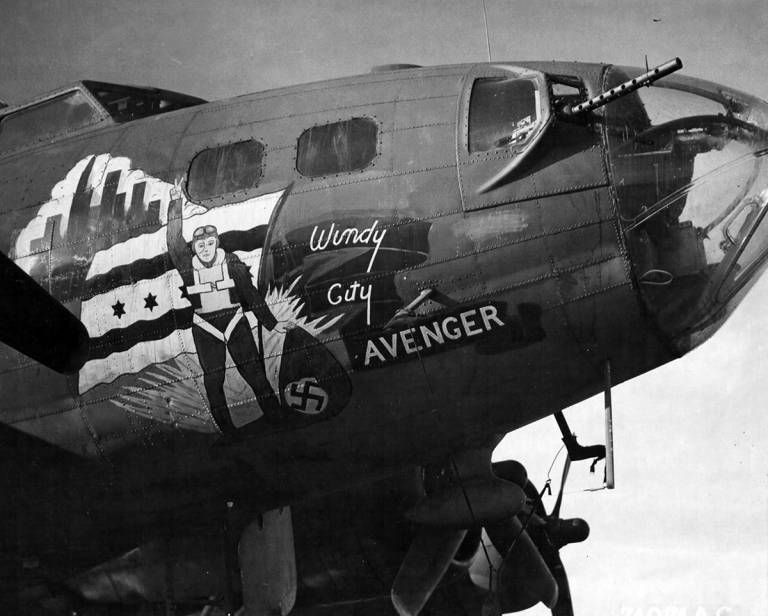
126	103
690	170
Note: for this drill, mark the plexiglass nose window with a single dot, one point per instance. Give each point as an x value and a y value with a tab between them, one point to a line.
689	165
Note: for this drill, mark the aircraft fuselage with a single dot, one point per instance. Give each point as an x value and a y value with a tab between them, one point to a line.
345	201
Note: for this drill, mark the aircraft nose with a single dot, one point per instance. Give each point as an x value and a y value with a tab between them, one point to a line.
690	169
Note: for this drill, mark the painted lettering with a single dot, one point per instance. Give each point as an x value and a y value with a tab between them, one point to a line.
452	334
390	348
409	344
489	313
430	335
365	291
320	244
334	300
334	237
355	292
467	320
371	352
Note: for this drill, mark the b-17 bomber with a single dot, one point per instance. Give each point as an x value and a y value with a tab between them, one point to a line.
256	352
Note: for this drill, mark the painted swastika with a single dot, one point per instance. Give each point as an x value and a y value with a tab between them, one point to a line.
306	396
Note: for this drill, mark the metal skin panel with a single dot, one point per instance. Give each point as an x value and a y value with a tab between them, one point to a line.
530	288
343	95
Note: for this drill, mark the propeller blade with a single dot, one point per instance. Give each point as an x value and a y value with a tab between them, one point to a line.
564	605
524	578
531	570
36	324
553	534
423	567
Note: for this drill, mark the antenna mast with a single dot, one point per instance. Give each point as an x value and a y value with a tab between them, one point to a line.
487	38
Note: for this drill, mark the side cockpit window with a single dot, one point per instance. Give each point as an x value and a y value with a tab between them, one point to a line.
502	112
341	147
126	103
225	169
54	117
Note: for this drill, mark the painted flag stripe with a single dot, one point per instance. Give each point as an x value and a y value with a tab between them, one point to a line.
144	300
110	333
234	217
117	341
135	359
138	340
128	273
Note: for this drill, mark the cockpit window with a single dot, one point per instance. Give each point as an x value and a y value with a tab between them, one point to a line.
225	169
126	103
690	171
349	145
502	112
48	119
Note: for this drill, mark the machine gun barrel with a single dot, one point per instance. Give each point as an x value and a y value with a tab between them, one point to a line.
646	79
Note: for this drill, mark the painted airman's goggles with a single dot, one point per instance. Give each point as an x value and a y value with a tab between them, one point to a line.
203	232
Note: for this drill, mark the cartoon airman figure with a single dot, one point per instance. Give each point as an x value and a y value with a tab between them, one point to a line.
219	286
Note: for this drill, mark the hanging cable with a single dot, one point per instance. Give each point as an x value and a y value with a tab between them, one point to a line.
551	466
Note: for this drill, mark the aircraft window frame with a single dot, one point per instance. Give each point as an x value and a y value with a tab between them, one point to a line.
128	103
733	102
62	127
486	130
477	191
311	166
228	179
565	90
503	71
690	179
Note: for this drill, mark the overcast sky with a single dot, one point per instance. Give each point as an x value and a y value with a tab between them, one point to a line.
686	530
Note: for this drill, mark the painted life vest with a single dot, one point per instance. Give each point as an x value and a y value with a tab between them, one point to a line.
212	284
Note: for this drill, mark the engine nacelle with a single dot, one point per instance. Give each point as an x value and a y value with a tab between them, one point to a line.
478	502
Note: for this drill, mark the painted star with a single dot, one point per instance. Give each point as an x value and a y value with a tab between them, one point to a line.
119	309
150	301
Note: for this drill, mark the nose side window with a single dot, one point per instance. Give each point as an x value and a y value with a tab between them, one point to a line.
502	112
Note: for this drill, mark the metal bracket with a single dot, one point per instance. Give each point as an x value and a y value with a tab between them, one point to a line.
610	480
408	311
598	452
575	450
